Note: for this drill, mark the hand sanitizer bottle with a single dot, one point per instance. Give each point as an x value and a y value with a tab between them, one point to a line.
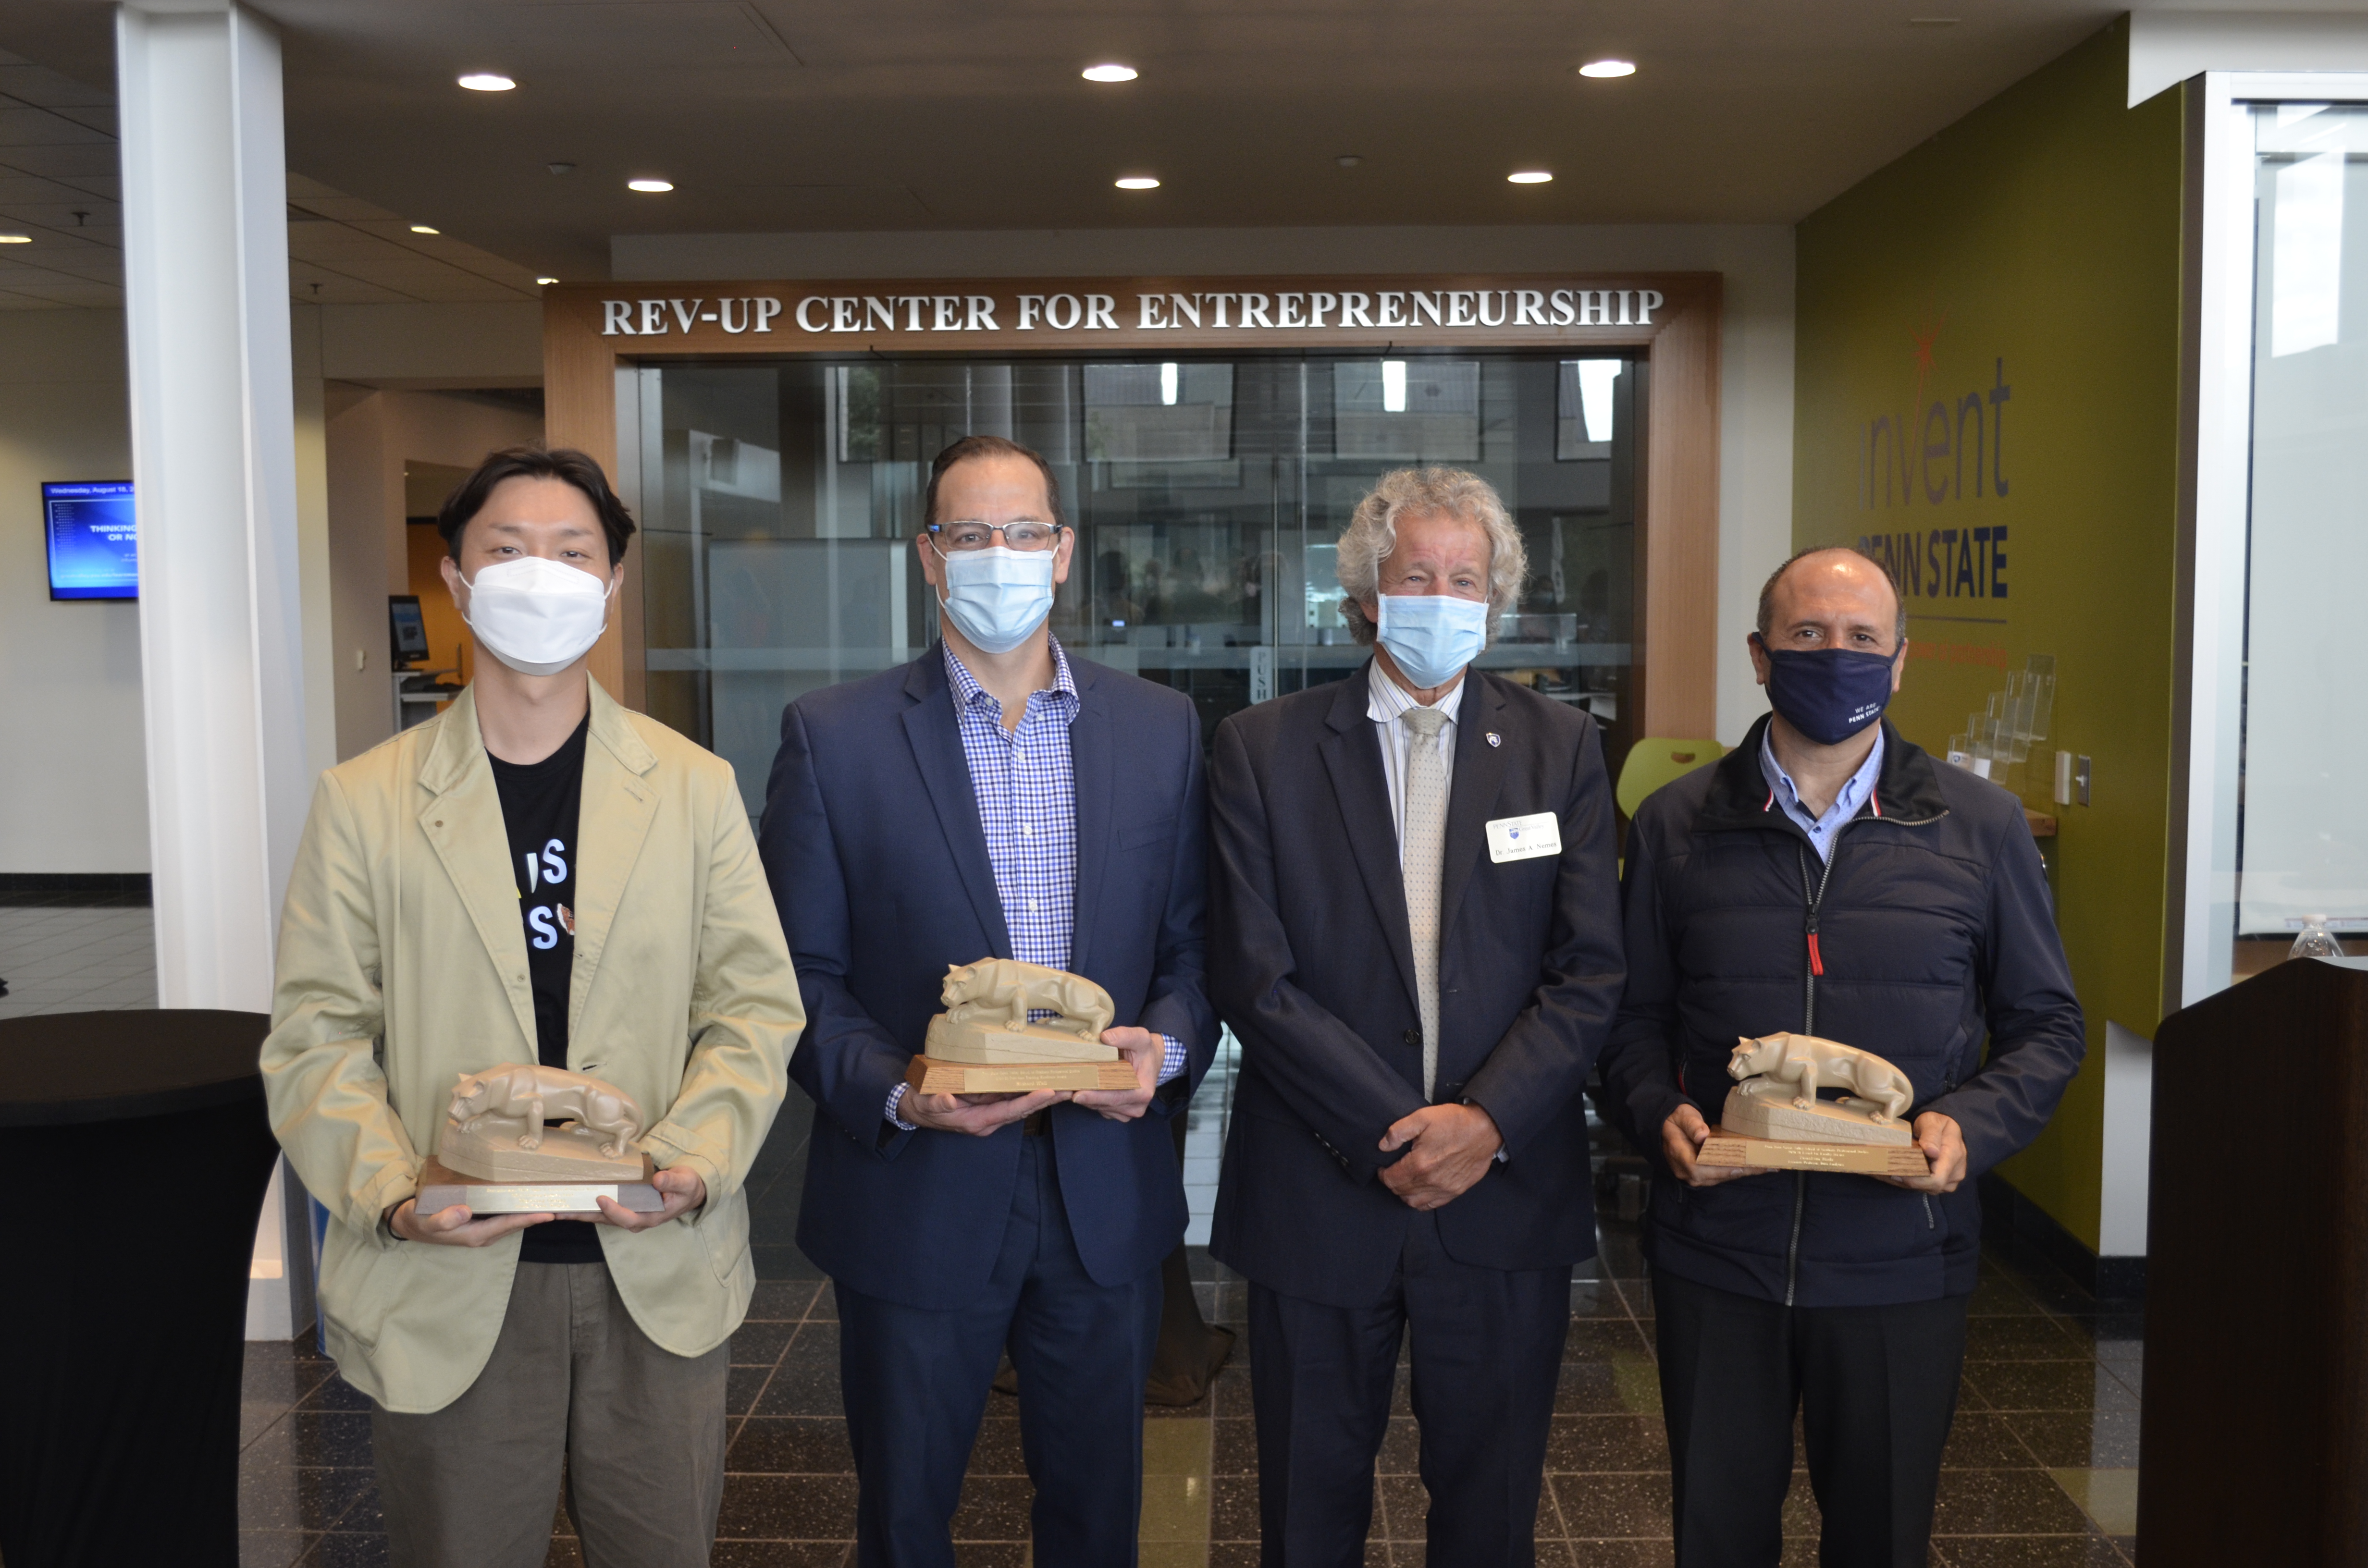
2316	942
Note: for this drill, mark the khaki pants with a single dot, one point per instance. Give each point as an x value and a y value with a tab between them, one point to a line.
573	1377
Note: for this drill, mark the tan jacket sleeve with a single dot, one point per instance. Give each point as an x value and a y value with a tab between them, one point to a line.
322	1082
745	1014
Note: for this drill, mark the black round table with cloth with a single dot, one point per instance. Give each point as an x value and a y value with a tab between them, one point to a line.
137	1156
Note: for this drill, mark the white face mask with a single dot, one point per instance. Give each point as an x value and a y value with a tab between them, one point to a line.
536	615
998	595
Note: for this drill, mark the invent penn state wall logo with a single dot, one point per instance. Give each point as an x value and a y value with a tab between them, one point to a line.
1946	449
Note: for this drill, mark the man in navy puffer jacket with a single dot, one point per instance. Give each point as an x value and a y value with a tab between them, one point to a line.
1827	878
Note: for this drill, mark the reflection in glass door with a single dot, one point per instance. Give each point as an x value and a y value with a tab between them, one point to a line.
780	501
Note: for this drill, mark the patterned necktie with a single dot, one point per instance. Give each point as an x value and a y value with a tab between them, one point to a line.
1421	847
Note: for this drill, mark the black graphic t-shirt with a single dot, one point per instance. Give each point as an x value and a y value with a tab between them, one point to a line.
540	802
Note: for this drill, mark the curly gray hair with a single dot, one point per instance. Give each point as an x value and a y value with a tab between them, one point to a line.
1373	534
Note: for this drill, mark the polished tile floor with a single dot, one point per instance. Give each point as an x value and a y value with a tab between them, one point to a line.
2041	1470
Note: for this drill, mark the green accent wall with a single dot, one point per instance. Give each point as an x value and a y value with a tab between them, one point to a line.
2019	274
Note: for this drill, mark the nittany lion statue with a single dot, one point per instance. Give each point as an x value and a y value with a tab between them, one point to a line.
1006	991
1804	1064
529	1094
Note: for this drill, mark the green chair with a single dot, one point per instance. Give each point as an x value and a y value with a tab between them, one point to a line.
1656	760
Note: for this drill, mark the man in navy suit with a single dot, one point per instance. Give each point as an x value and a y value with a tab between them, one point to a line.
1418	945
995	797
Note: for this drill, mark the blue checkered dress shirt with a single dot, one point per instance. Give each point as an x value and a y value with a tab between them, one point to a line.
1027	790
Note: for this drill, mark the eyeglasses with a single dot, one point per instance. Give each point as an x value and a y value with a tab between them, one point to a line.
955	536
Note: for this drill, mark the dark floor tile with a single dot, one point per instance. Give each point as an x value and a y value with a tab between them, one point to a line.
1589	1443
824	1307
994	1507
997	1450
790	1446
1623	1385
990	1553
2113	1334
804	1384
781	1553
1633	1505
2102	1439
1234	1554
1233	1507
277	1372
783	1262
271	1549
2030	1338
344	1551
1233	1446
1401	1447
298	1499
1980	1440
783	1301
2005	1501
1617	1554
756	1344
741	1387
1999	1294
1229	1391
2127	1545
1401	1506
565	1552
2027	1551
338	1438
788	1507
2047	1385
1595	1339
335	1393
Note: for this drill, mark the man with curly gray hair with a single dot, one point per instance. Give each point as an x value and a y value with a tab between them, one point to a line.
1413	933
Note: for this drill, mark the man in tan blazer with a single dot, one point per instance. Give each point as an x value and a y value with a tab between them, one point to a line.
535	875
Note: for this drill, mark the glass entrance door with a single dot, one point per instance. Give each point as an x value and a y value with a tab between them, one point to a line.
782	498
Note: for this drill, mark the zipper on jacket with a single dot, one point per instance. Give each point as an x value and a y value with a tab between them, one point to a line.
1813	898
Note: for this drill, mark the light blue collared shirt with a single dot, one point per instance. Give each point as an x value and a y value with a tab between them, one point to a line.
1854	794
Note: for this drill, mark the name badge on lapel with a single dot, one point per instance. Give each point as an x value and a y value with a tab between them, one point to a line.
1524	838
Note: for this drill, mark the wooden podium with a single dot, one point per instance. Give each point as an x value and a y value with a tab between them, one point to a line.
2255	1433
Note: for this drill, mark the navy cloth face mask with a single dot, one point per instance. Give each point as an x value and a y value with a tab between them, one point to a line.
1830	695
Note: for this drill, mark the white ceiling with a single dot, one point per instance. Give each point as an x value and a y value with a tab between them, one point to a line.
833	115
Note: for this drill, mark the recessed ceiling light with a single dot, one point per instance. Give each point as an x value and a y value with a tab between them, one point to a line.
546	281
1529	176
487	82
1138	182
1932	21
650	187
1348	160
1601	68
561	168
424	229
1111	72
15	239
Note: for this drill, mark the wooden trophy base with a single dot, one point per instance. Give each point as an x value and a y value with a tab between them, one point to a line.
1769	1132
933	1075
567	1153
440	1188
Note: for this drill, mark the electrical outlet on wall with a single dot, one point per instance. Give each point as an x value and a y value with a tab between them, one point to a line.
2081	768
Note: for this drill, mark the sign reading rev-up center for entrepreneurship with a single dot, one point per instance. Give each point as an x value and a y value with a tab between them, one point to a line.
1376	310
94	539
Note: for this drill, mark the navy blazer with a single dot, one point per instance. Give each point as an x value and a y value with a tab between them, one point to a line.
1313	968
873	842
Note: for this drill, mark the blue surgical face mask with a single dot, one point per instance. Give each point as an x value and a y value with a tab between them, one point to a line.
998	595
1831	694
1431	636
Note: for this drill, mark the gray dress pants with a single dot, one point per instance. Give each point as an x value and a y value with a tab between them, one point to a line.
572	1378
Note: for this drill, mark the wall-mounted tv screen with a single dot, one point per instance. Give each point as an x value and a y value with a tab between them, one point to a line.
94	541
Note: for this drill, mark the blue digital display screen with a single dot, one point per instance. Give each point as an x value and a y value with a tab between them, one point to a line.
93	541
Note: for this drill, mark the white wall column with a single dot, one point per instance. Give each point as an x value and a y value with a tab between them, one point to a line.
205	242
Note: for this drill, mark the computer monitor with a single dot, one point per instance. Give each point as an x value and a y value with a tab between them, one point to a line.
94	539
408	629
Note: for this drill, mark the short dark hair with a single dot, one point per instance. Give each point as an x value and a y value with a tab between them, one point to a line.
971	446
1768	589
536	460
